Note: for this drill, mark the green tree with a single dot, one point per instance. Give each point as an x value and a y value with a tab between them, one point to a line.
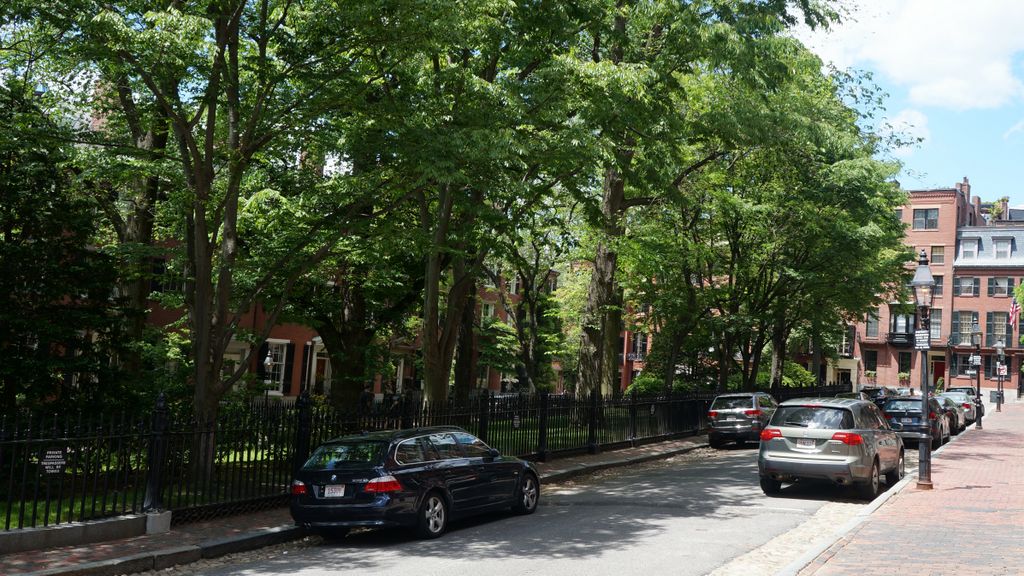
59	322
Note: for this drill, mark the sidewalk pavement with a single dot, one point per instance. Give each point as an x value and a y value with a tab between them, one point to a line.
238	533
971	521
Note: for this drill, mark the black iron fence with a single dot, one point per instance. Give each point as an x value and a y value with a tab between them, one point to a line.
62	468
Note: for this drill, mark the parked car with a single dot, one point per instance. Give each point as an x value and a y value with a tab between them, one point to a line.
854	395
419	478
904	391
844	440
739	417
966	402
907	413
973	393
879	394
957	417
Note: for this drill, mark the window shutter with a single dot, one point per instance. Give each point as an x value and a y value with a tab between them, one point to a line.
989	329
261	372
956	327
991	286
956	286
289	361
977	286
1009	287
988	367
306	349
954	360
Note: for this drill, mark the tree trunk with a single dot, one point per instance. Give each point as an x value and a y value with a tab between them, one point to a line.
466	360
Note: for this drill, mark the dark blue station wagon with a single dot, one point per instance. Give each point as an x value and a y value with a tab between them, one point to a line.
419	478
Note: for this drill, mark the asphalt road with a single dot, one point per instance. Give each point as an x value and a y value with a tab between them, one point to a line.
687	515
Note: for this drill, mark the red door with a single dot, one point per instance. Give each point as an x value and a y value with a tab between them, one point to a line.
938	371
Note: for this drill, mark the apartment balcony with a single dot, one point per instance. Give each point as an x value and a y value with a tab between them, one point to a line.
901	339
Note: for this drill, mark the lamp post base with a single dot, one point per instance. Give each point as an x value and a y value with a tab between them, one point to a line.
924	485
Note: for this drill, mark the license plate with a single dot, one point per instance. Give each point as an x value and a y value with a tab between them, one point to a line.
906	420
334	491
805	443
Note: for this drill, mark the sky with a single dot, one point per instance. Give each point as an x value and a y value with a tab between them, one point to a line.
954	73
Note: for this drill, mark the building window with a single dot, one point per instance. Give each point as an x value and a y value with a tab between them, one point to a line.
639	346
937	289
990	367
1002	248
488	310
963	323
871	324
997	328
513	285
846	346
899	214
871	360
902	323
904	361
274	377
938	254
959	365
926	219
966	286
936	323
969	248
1000	286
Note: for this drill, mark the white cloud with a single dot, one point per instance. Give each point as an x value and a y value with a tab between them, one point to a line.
909	124
1019	126
947	53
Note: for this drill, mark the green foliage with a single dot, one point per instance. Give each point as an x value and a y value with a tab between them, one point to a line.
498	345
646	384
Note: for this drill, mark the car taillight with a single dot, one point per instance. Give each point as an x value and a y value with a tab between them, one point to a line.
298	488
932	416
712	414
848	438
752	412
383	484
885	415
967	406
769	433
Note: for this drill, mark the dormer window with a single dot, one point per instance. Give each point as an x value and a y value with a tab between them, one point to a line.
1002	248
969	248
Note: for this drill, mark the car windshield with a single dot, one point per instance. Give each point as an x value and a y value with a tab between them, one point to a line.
968	391
341	454
956	397
732	402
873	392
901	405
816	417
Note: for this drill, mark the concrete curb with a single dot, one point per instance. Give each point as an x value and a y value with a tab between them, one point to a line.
562	475
161	559
821	546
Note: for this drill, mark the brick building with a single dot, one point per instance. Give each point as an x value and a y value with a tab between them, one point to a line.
976	255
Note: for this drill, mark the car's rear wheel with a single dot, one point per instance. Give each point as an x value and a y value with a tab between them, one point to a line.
869	489
432	519
528	495
897	473
770	486
715	442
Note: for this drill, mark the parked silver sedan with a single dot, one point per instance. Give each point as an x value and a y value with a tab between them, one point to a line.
845	441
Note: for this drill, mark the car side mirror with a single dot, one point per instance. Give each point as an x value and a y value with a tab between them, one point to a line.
493	453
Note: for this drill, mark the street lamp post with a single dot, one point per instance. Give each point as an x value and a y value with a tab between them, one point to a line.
976	340
1000	347
922	285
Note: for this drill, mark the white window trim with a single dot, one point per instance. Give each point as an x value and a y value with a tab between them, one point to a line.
995	248
284	361
964	243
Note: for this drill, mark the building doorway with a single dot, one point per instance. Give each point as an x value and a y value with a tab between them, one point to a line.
938	371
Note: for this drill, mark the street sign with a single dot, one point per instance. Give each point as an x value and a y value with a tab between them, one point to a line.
975	360
1002	369
922	340
970	372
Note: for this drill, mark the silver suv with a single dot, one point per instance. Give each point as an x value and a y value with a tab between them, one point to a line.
846	441
739	417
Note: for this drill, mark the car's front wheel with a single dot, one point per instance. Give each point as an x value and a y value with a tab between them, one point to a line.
869	489
897	473
528	495
433	516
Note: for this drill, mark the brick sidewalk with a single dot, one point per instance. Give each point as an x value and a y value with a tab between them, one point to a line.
972	521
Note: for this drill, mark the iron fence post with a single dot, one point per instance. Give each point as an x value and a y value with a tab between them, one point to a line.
542	428
632	418
671	412
485	415
157	448
303	430
592	445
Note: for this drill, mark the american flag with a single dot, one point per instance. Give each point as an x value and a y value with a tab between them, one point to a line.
1014	312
